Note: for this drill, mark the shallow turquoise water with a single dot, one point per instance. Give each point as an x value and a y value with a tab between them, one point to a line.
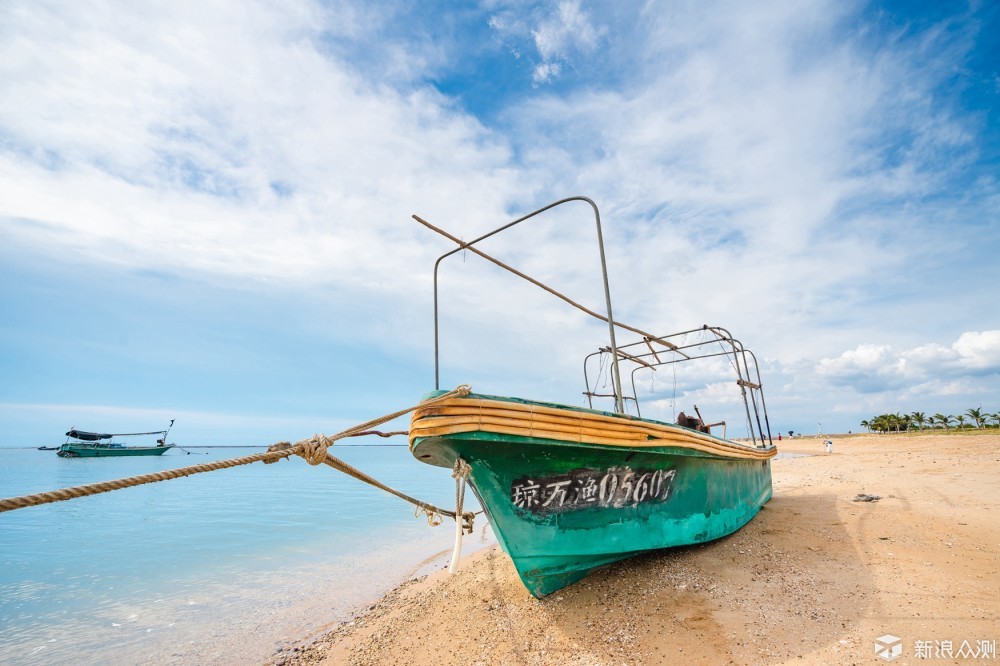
221	567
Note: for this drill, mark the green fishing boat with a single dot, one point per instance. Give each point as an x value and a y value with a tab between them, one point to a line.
569	489
83	444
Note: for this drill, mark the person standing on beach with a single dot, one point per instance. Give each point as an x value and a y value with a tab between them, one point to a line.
829	446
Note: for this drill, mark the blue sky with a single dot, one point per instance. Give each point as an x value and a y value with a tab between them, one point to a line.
205	208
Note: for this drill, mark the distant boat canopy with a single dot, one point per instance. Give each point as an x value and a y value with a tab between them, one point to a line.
87	436
99	444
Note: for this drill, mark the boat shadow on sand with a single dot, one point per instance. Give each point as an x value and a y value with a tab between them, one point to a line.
789	583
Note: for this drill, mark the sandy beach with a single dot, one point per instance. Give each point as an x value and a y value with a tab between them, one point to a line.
815	578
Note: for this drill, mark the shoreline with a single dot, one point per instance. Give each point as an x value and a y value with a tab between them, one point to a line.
816	577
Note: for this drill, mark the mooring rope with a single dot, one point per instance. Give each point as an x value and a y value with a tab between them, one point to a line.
460	472
313	449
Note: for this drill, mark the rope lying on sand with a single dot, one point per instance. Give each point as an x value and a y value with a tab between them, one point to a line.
313	449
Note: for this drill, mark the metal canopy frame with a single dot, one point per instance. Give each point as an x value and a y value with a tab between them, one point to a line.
462	245
645	357
744	361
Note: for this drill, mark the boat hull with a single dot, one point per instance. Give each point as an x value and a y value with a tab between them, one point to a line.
92	451
561	509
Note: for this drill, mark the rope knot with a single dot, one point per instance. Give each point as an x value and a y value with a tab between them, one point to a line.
461	470
468	522
314	448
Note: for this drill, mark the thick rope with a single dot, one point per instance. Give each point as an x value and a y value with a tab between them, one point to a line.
460	473
312	449
429	509
105	486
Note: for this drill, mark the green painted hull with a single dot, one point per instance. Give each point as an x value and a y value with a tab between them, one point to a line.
92	451
679	496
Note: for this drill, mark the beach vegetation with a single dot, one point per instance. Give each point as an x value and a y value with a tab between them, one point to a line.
976	415
899	422
943	420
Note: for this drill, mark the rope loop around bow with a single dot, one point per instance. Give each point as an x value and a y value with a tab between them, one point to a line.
461	470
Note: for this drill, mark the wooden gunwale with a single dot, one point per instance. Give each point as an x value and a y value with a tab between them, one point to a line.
471	427
544	422
463	415
484	405
632	429
545	414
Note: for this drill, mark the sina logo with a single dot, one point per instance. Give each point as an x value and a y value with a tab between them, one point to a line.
888	647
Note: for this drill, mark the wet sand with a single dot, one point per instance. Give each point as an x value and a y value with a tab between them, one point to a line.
815	578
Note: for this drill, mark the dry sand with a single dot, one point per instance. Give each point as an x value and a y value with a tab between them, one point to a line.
815	578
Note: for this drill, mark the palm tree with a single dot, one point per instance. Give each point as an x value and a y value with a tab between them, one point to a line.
976	415
961	421
942	419
866	425
881	423
900	422
889	422
919	418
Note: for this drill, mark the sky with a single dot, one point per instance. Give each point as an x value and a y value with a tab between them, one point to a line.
205	208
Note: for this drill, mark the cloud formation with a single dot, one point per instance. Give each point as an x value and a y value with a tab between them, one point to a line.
807	174
554	34
871	368
227	138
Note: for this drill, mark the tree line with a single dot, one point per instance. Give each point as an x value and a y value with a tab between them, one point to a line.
975	417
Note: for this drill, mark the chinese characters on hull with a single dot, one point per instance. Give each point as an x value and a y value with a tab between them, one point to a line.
581	488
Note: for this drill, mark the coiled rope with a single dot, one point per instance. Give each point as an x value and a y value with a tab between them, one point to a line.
313	449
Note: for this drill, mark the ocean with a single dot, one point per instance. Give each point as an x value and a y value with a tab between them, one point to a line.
219	568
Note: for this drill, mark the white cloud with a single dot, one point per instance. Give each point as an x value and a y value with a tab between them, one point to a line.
545	71
227	140
557	32
867	368
753	149
930	357
979	350
928	368
565	30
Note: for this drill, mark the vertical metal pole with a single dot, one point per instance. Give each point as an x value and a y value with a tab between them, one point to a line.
619	407
437	348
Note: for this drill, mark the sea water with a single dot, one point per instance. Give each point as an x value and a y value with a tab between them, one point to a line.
223	567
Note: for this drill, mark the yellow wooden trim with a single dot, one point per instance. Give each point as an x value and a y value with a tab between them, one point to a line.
463	415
